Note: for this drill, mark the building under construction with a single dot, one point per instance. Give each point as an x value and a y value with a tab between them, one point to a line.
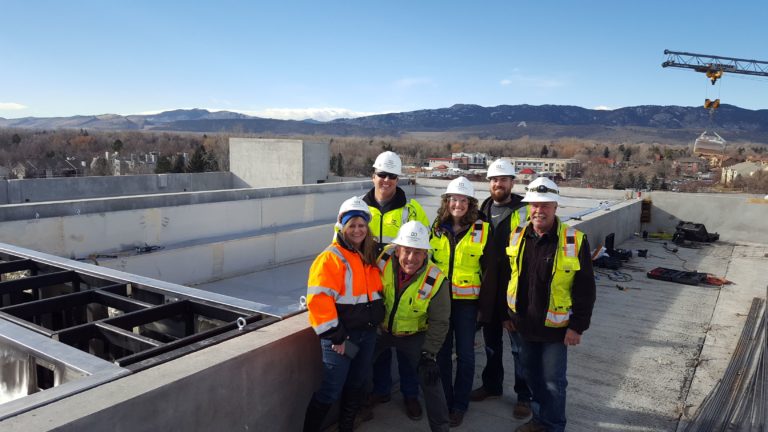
172	302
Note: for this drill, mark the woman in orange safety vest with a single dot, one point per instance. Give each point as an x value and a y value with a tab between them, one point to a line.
345	307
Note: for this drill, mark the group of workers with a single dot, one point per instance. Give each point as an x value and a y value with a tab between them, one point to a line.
390	279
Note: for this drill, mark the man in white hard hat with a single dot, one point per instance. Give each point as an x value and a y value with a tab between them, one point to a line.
504	210
417	308
550	296
391	209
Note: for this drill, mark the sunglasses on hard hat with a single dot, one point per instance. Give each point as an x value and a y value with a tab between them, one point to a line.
542	189
383	175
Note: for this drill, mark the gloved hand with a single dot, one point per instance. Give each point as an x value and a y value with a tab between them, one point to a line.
428	368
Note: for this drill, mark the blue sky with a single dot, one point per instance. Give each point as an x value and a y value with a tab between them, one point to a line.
326	59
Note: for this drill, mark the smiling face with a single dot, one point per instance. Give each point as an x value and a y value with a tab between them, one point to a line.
410	259
501	188
355	231
542	216
384	185
458	206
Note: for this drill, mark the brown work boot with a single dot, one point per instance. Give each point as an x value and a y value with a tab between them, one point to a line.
413	408
456	418
481	394
522	410
531	426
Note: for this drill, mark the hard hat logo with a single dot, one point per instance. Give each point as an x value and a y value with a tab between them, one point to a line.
389	162
413	234
460	186
501	168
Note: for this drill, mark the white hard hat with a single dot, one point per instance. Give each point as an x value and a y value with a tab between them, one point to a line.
389	162
542	190
413	234
499	168
356	207
460	186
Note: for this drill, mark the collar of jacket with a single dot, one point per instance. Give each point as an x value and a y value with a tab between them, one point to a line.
396	202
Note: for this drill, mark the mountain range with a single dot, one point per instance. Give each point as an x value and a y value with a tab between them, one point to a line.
638	123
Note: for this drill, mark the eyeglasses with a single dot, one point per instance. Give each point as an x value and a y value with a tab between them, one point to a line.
543	189
383	175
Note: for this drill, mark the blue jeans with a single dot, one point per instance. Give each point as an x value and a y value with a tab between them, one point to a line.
382	375
462	328
340	371
545	365
493	373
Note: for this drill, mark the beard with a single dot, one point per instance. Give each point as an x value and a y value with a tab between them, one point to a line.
500	194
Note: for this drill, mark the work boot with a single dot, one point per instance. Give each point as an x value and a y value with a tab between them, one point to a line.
316	412
522	410
481	394
350	404
375	399
531	426
413	408
456	418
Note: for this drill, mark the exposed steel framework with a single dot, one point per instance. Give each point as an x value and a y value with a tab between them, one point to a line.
715	65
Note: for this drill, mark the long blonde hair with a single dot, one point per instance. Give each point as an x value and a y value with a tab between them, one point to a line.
367	248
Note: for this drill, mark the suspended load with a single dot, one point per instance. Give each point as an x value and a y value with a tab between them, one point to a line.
709	143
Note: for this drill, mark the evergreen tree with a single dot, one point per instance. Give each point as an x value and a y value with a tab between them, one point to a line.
178	164
630	183
544	151
333	164
163	165
197	161
606	152
117	146
641	182
627	154
16	139
618	183
340	165
655	183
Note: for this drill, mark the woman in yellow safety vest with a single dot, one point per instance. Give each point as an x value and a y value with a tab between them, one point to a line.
461	248
345	308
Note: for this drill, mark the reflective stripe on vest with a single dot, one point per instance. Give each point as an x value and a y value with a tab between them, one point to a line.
563	270
348	297
411	313
425	291
477	232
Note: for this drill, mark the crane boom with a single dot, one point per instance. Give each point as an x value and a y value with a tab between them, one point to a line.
711	64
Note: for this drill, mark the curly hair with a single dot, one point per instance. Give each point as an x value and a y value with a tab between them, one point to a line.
444	215
368	248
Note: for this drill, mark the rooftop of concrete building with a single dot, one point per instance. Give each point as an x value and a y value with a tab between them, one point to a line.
653	352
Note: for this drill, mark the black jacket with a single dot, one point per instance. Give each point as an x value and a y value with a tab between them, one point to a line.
492	304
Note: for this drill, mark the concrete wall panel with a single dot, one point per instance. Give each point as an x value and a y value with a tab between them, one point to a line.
259	381
317	157
70	188
737	217
302	243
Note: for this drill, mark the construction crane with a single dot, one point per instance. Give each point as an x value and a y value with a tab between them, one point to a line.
714	67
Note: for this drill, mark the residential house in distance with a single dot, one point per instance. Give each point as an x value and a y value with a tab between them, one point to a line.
566	168
689	166
526	175
743	170
472	160
46	168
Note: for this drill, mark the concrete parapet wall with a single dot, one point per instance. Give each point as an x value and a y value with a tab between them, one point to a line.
622	219
260	228
259	381
736	217
73	188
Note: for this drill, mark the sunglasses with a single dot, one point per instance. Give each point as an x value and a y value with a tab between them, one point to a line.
383	175
542	189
